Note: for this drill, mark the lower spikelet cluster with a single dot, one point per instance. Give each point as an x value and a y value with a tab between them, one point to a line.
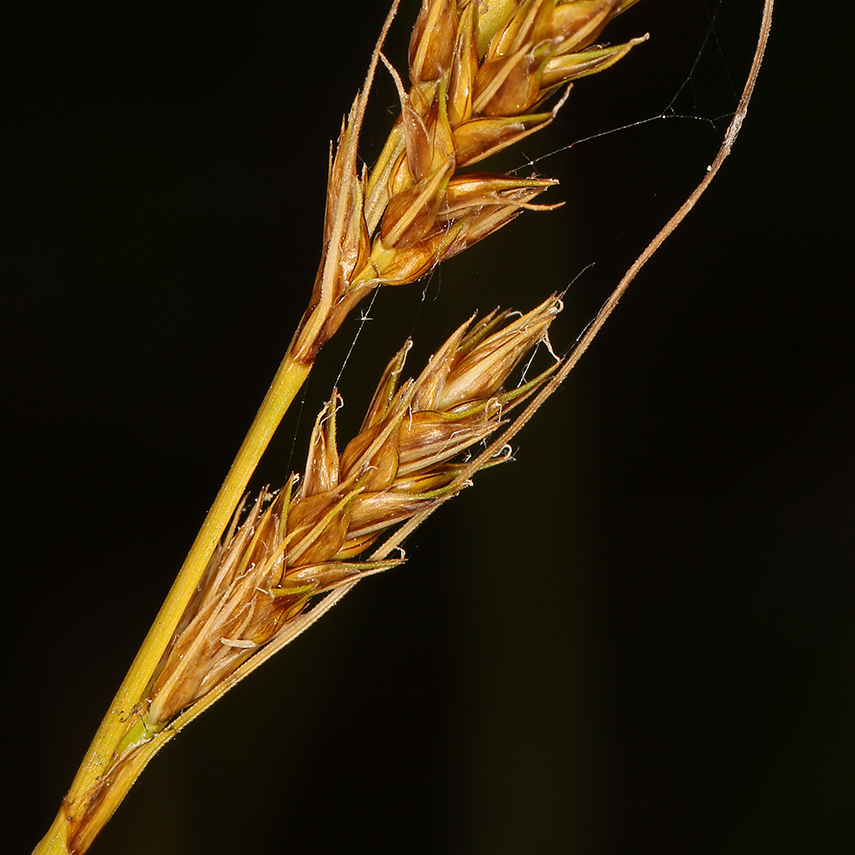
307	539
480	71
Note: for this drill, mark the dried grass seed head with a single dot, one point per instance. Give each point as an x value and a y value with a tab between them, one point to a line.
479	74
306	540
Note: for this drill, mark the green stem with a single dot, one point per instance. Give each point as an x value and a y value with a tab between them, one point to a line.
78	805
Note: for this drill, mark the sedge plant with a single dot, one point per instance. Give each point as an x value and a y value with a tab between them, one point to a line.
482	77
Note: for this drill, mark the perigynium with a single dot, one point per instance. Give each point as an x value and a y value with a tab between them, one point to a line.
262	570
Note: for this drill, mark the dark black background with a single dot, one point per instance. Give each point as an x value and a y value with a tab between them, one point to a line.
637	638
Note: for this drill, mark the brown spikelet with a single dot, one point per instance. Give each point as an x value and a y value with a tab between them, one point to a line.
304	541
479	74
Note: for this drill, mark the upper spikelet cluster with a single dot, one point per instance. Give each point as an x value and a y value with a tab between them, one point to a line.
479	72
306	540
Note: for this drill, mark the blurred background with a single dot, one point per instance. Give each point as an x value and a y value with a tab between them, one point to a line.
636	638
